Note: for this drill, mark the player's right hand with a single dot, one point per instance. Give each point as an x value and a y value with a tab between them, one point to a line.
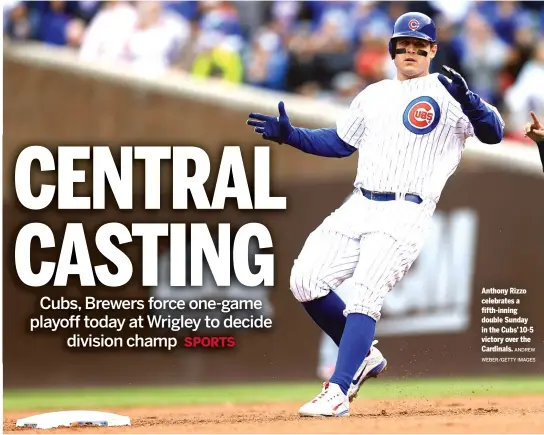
276	129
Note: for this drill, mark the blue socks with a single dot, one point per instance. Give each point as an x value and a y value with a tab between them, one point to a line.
328	313
354	346
353	335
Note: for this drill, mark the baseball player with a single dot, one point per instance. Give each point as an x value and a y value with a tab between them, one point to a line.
410	133
535	131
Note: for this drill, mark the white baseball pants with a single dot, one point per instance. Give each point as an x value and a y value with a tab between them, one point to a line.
375	242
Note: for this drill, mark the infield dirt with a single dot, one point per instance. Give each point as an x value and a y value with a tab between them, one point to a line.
513	414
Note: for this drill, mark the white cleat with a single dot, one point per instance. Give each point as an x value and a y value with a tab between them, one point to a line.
372	366
331	402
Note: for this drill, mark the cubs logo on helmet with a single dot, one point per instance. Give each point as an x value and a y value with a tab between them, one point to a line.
413	24
421	115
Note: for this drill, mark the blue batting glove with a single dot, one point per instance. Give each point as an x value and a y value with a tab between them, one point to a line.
457	86
276	129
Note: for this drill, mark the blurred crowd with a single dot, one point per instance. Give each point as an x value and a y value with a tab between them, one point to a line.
323	49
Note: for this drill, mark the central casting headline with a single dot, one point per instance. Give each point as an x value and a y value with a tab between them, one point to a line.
231	252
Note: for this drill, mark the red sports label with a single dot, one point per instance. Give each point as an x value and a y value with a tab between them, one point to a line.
207	342
421	115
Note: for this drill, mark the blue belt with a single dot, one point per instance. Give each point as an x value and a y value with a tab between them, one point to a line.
390	196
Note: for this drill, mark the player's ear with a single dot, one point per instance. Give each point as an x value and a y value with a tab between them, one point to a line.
434	49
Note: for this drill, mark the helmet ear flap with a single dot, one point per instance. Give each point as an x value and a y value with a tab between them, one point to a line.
392	49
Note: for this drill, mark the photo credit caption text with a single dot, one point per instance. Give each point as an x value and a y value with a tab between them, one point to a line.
506	334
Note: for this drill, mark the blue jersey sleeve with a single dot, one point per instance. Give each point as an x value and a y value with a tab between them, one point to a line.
323	142
487	123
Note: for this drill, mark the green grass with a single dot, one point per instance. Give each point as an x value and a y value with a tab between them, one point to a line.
104	398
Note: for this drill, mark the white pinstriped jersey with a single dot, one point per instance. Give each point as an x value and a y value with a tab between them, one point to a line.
410	135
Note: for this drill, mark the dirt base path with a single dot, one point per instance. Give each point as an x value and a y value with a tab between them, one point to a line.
457	415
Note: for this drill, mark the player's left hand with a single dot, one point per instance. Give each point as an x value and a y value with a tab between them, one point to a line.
457	86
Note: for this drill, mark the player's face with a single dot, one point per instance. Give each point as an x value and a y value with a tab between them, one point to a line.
411	64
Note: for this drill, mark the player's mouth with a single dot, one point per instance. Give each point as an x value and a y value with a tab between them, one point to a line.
409	59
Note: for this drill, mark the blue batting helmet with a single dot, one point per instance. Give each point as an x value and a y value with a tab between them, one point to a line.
412	25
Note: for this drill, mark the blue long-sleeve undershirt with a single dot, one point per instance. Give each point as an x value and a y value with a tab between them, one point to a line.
486	123
323	142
